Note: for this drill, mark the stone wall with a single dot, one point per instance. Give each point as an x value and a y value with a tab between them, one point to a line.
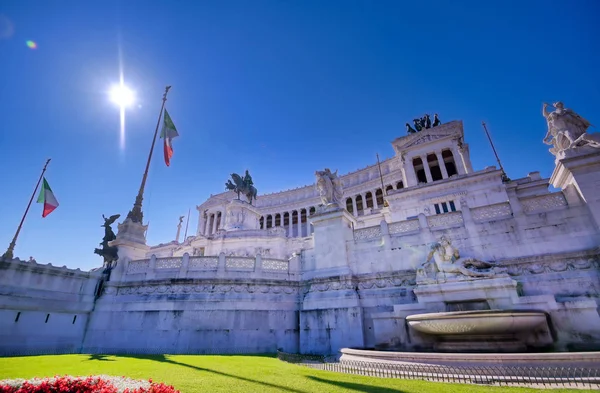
43	308
196	316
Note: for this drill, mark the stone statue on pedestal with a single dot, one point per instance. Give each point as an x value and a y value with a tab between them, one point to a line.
329	187
109	253
567	130
447	260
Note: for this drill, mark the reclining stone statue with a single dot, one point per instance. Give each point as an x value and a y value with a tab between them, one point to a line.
446	259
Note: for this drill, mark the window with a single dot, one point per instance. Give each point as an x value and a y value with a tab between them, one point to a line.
444	207
379	197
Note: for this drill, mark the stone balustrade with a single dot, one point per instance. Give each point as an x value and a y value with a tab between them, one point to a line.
495	212
543	203
446	220
189	265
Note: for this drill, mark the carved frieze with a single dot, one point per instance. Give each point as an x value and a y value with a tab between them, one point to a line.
275	265
239	263
369	233
168	263
175	289
445	220
403	227
539	267
543	203
492	212
141	266
203	263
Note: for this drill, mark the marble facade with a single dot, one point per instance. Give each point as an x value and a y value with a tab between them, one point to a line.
288	273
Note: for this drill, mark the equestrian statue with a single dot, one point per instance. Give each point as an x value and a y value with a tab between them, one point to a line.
243	185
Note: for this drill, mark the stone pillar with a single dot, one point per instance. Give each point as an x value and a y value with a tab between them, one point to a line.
409	174
214	224
330	229
385	235
354	208
459	161
374	196
440	159
580	167
331	320
291	223
427	169
185	263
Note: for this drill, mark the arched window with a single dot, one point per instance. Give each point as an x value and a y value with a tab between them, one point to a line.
349	206
359	206
379	197
369	199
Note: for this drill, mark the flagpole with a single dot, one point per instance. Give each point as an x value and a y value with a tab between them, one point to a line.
383	190
504	177
8	255
136	214
186	224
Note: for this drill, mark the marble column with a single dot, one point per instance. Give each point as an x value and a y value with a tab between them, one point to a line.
291	224
299	222
374	196
427	169
459	162
440	159
214	224
354	208
408	172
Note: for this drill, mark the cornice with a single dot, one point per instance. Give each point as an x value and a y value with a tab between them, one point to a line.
447	184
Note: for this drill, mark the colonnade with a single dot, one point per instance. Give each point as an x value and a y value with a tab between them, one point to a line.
430	167
210	223
295	222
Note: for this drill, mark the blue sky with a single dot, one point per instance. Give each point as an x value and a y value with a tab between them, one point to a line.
277	87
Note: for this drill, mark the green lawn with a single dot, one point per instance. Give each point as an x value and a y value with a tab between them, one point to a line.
228	374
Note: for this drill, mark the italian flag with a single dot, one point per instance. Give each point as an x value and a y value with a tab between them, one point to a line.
47	198
168	133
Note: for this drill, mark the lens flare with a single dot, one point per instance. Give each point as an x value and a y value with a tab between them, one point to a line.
31	44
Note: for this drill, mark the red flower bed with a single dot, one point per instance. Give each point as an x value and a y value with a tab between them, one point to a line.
92	384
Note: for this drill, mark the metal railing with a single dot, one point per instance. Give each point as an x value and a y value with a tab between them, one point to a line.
494	375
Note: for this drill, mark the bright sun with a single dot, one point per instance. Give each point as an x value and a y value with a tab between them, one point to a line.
122	96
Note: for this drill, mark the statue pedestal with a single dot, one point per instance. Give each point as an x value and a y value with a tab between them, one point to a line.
332	229
580	167
131	243
240	215
133	232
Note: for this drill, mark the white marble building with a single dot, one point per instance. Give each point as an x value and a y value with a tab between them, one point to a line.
299	271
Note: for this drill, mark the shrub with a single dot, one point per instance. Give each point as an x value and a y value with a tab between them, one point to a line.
91	384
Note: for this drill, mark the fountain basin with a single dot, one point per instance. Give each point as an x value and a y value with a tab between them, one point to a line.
480	322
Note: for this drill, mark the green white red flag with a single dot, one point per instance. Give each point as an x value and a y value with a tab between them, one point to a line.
47	198
168	133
